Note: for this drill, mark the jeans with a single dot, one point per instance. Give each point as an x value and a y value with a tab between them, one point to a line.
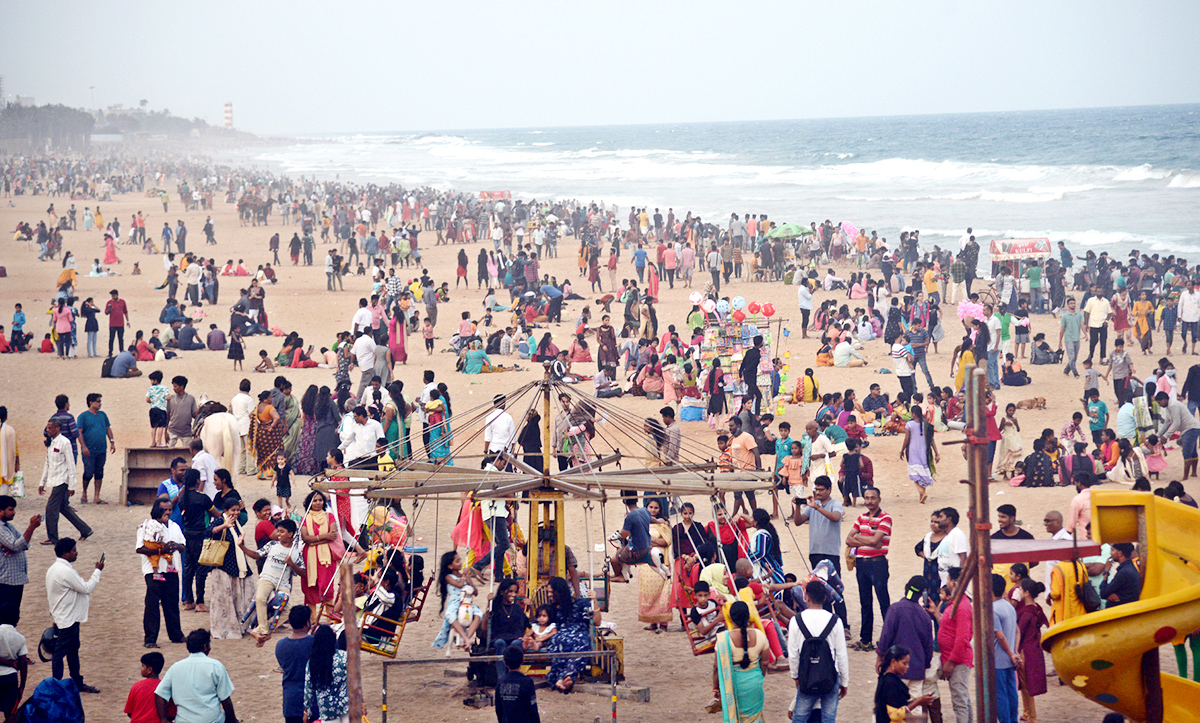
66	645
716	277
872	573
641	272
1006	695
499	528
498	647
907	383
837	608
960	694
329	281
806	703
60	503
165	594
1072	353
993	369
923	362
91	343
1098	334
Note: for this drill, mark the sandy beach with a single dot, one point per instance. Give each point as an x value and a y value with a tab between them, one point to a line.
680	684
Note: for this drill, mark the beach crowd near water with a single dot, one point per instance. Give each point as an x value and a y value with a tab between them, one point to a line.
341	295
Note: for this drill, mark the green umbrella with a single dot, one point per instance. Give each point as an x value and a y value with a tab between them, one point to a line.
789	230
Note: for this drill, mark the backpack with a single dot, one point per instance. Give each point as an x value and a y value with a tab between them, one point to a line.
1085	591
817	674
106	367
53	701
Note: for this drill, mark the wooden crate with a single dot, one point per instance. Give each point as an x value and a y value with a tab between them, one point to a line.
145	469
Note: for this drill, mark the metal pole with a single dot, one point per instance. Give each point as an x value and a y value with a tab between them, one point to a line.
353	643
981	548
612	683
385	669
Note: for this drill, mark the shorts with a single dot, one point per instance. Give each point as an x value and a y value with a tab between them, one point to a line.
158	418
685	273
93	465
429	344
8	691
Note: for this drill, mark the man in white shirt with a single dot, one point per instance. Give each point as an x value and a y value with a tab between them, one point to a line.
499	433
360	442
993	348
713	259
1054	525
364	355
965	239
15	672
1096	313
953	549
1189	315
817	622
59	476
497	236
241	407
207	465
69	595
162	579
368	396
902	359
362	318
430	385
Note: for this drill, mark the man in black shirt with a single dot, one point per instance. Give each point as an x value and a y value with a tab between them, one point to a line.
748	371
1124	585
516	701
1006	520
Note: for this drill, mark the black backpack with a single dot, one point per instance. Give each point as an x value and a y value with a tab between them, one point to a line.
817	674
106	367
1084	590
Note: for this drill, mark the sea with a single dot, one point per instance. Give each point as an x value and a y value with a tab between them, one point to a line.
1101	179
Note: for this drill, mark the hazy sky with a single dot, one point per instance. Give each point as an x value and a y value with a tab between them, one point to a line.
325	67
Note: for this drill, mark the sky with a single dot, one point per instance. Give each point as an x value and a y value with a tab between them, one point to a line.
301	67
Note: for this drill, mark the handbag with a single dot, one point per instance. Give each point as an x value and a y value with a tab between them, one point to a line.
213	553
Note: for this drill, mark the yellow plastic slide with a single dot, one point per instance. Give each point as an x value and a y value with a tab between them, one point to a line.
1100	654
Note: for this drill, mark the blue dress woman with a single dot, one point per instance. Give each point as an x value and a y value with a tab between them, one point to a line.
574	619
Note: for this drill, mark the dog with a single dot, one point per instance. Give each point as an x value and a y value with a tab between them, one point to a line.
1035	403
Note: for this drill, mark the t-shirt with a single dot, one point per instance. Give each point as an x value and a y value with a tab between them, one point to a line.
824	535
868	526
1091	379
195	504
1097	309
742	448
1004	619
275	568
12	646
1021	535
637	524
516	700
1098	414
140	706
121	365
948	550
181	410
1071	321
915	337
157	394
900	354
116	311
639	257
93	429
292	654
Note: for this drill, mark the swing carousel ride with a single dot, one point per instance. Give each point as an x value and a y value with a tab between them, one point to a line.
587	450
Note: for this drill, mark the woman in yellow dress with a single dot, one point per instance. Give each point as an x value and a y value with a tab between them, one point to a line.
654	592
966	358
1142	310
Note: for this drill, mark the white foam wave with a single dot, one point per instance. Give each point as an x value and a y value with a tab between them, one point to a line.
1185	180
1144	172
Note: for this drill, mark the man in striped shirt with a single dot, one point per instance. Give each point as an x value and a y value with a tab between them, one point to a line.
869	536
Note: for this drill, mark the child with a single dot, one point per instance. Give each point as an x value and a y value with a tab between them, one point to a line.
265	363
281	559
791	473
1097	412
1156	456
856	474
283	480
427	332
1010	450
236	351
156	397
1018	572
540	630
1091	380
47	345
136	270
140	706
705	614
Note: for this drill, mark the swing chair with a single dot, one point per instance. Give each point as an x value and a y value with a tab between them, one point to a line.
592	443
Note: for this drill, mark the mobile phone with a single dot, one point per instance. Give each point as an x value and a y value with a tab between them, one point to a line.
102	557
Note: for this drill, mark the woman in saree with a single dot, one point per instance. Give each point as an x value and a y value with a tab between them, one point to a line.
397	331
395	421
110	250
738	669
266	434
765	552
323	549
440	436
1143	313
574	619
687	537
964	359
920	452
230	586
303	462
292	419
654	592
606	343
325	436
144	352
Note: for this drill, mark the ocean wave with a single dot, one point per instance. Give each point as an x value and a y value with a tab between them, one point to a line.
1144	172
1034	194
1185	180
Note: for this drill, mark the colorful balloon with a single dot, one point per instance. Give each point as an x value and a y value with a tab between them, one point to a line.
723	306
739	315
787	354
738	303
753	307
708	305
696	297
768	309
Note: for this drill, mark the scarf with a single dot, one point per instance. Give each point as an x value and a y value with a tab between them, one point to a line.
319	553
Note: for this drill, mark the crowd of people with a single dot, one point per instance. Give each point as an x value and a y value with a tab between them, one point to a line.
727	576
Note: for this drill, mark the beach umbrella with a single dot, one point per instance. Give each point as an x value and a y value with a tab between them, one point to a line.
789	230
849	229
